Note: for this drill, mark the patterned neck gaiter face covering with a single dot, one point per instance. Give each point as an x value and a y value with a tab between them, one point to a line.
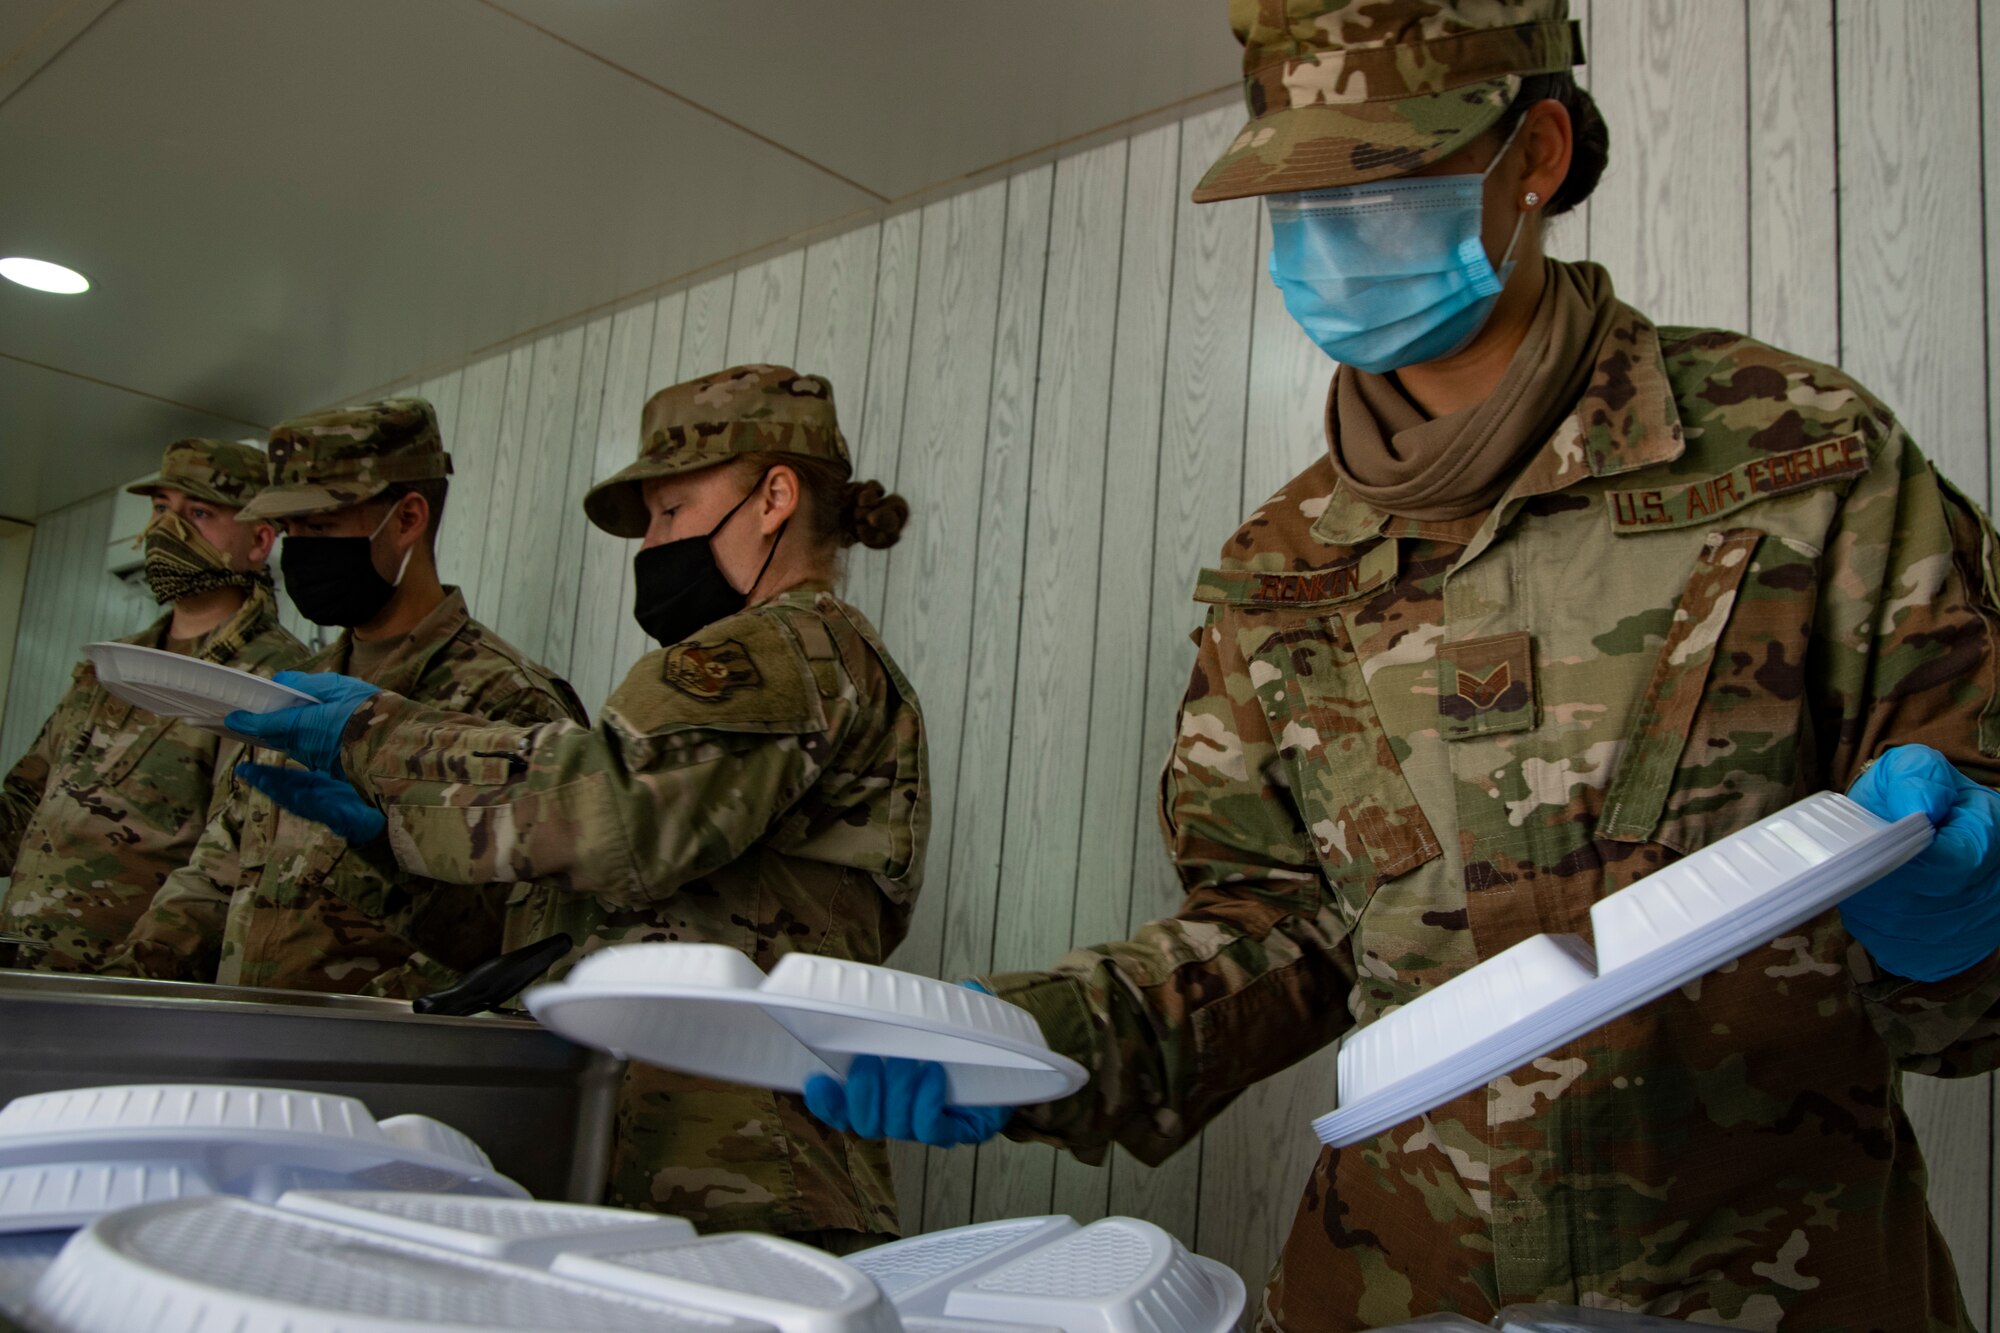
180	562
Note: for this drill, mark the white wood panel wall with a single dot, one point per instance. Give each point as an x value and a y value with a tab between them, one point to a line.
1082	382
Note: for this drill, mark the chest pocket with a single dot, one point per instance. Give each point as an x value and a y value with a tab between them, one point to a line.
1716	741
130	744
1342	771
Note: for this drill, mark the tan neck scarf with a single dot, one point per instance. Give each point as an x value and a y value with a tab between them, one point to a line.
1410	466
180	562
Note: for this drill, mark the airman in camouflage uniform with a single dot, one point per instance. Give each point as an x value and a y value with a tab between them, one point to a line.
761	784
1727	580
110	798
270	899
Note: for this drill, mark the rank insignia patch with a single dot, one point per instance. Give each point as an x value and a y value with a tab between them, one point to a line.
1486	686
1483	693
710	671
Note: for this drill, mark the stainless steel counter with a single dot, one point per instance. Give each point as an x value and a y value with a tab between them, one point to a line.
540	1106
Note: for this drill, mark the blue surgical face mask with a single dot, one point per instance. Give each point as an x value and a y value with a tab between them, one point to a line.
1389	274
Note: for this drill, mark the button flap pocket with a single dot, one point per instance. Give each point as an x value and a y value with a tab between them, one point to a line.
1343	774
1638	792
131	746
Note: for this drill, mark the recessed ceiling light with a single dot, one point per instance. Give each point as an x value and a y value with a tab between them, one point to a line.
44	276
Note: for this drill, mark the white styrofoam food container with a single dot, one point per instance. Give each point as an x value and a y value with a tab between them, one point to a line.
233	1266
68	1157
791	1287
174	685
707	1009
1662	932
516	1231
1117	1275
375	1262
919	1273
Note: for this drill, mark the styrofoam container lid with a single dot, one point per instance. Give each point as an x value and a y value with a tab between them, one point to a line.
231	1266
1756	865
175	685
152	1107
1118	1275
1658	934
790	1286
69	1194
518	1231
918	1274
1433	1029
707	1009
67	1157
692	1007
993	1052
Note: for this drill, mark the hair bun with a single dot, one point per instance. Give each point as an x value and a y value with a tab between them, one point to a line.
1591	153
871	517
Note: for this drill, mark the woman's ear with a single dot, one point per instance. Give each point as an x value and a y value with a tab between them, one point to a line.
1548	142
781	499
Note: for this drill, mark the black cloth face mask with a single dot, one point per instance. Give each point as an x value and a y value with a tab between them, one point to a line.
332	580
679	589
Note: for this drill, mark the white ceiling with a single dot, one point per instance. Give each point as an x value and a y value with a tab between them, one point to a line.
286	203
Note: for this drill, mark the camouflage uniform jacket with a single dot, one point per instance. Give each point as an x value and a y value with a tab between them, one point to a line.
1726	581
762	786
110	799
292	906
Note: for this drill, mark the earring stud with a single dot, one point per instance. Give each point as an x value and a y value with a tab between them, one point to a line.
1532	199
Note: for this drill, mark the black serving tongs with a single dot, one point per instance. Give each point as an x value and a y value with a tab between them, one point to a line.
494	981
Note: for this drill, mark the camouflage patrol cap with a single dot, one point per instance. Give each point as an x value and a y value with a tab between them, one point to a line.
1347	91
742	410
220	471
330	460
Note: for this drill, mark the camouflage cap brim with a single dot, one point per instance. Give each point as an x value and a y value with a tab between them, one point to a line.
1346	112
292	501
1322	147
617	504
192	489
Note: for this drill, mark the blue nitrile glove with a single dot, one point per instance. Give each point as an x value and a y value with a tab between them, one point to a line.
892	1098
309	733
1939	913
315	796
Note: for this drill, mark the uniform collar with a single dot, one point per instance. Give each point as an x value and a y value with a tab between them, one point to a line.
1626	420
226	642
407	662
807	592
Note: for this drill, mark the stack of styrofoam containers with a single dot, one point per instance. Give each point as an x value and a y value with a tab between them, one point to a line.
68	1158
1118	1275
372	1262
1661	932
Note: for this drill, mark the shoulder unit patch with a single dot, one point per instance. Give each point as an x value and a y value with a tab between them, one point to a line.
710	671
